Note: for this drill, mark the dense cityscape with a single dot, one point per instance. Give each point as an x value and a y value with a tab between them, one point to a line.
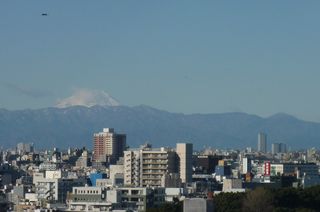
159	106
116	177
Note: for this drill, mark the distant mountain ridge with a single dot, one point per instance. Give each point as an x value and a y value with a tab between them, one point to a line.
75	125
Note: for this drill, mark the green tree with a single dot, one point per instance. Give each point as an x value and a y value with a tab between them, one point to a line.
258	200
228	202
175	206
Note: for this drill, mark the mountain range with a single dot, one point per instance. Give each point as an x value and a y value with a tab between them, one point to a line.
74	126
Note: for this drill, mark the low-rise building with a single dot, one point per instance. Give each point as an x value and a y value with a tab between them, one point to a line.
90	199
232	185
297	169
198	204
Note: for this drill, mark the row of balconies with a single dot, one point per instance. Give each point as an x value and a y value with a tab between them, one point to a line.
151	182
151	177
154	172
155	156
154	167
155	161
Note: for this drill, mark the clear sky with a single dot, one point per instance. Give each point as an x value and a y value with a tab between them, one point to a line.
259	57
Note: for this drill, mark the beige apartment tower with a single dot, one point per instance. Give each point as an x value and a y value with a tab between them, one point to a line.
148	166
108	146
184	152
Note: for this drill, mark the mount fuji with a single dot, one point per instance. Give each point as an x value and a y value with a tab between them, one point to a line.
88	98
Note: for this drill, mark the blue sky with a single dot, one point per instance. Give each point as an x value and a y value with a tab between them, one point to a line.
181	56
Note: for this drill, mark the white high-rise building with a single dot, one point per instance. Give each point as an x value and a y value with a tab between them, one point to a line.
184	152
262	142
246	165
147	166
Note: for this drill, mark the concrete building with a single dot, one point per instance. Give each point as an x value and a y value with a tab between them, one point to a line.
24	148
222	169
54	185
171	180
283	148
139	199
175	193
91	199
246	165
108	146
56	174
114	199
294	169
83	160
47	166
56	190
37	176
205	164
230	185
106	183
278	148
275	148
95	176
146	166
116	174
262	142
17	193
184	152
198	204
47	189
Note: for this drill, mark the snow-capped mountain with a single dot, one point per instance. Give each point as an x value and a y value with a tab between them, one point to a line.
88	98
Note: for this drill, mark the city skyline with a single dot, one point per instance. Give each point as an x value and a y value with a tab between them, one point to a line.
148	177
151	106
249	57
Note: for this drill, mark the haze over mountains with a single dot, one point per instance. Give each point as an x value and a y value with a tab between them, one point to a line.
75	125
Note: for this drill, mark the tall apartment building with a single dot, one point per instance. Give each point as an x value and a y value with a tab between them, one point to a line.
24	148
262	142
108	146
184	152
246	165
148	166
278	148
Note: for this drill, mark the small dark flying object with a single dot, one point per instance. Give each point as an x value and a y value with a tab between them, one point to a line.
44	14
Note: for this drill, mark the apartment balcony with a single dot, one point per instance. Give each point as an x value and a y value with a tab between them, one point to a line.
154	167
151	178
155	161
153	172
154	156
151	183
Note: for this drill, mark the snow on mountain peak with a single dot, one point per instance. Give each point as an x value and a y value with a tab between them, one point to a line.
88	98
